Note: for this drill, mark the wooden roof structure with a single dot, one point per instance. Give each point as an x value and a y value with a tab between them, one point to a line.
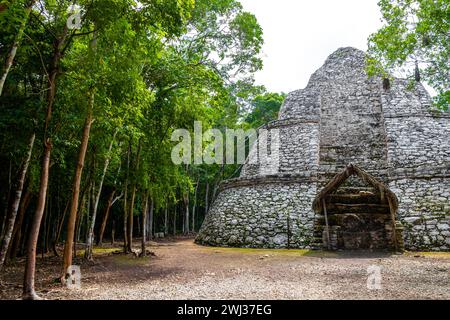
349	171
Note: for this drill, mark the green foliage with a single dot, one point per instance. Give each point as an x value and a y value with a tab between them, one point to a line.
151	67
415	32
265	108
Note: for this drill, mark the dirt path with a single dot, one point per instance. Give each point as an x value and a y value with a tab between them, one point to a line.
183	270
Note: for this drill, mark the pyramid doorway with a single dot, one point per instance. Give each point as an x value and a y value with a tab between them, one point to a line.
357	216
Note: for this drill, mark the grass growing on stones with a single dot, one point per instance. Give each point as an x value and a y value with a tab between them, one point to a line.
273	252
442	255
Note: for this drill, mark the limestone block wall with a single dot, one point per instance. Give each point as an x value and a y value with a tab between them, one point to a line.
304	104
418	141
298	149
261	215
300	146
419	161
351	127
424	212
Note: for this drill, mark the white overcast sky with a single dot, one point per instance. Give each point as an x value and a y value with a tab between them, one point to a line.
300	34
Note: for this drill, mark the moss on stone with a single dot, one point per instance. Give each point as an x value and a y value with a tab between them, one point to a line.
275	252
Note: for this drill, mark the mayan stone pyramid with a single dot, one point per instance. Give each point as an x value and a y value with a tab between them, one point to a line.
346	141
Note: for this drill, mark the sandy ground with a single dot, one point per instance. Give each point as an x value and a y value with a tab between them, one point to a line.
183	270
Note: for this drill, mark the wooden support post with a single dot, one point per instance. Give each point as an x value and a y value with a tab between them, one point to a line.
326	223
394	231
382	194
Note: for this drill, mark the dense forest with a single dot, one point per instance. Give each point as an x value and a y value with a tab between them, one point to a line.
92	90
90	93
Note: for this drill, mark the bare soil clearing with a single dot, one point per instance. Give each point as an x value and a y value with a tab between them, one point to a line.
183	270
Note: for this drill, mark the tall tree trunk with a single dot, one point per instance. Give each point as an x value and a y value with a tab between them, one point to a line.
88	212
186	213
7	199
144	225
166	220
80	215
90	239
12	52
48	224
16	202
29	292
138	222
125	202
89	231
207	198
194	207
68	247
133	198
60	226
83	208
130	221
28	286
150	220
175	221
105	217
183	217
17	232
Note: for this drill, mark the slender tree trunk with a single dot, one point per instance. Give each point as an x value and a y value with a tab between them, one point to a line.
186	213
28	285
144	225
16	202
12	52
60	226
183	217
7	201
90	239
80	216
166	220
89	225
150	219
48	224
148	228
207	198
130	221
107	212
17	232
42	228
68	247
133	198
88	210
138	222
125	202
194	207
105	217
175	221
83	208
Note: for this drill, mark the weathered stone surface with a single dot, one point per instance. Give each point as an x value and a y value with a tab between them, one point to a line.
342	117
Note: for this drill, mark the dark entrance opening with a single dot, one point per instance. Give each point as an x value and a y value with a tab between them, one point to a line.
352	217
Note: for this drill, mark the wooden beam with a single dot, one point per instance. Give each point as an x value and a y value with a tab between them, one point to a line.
326	223
394	232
